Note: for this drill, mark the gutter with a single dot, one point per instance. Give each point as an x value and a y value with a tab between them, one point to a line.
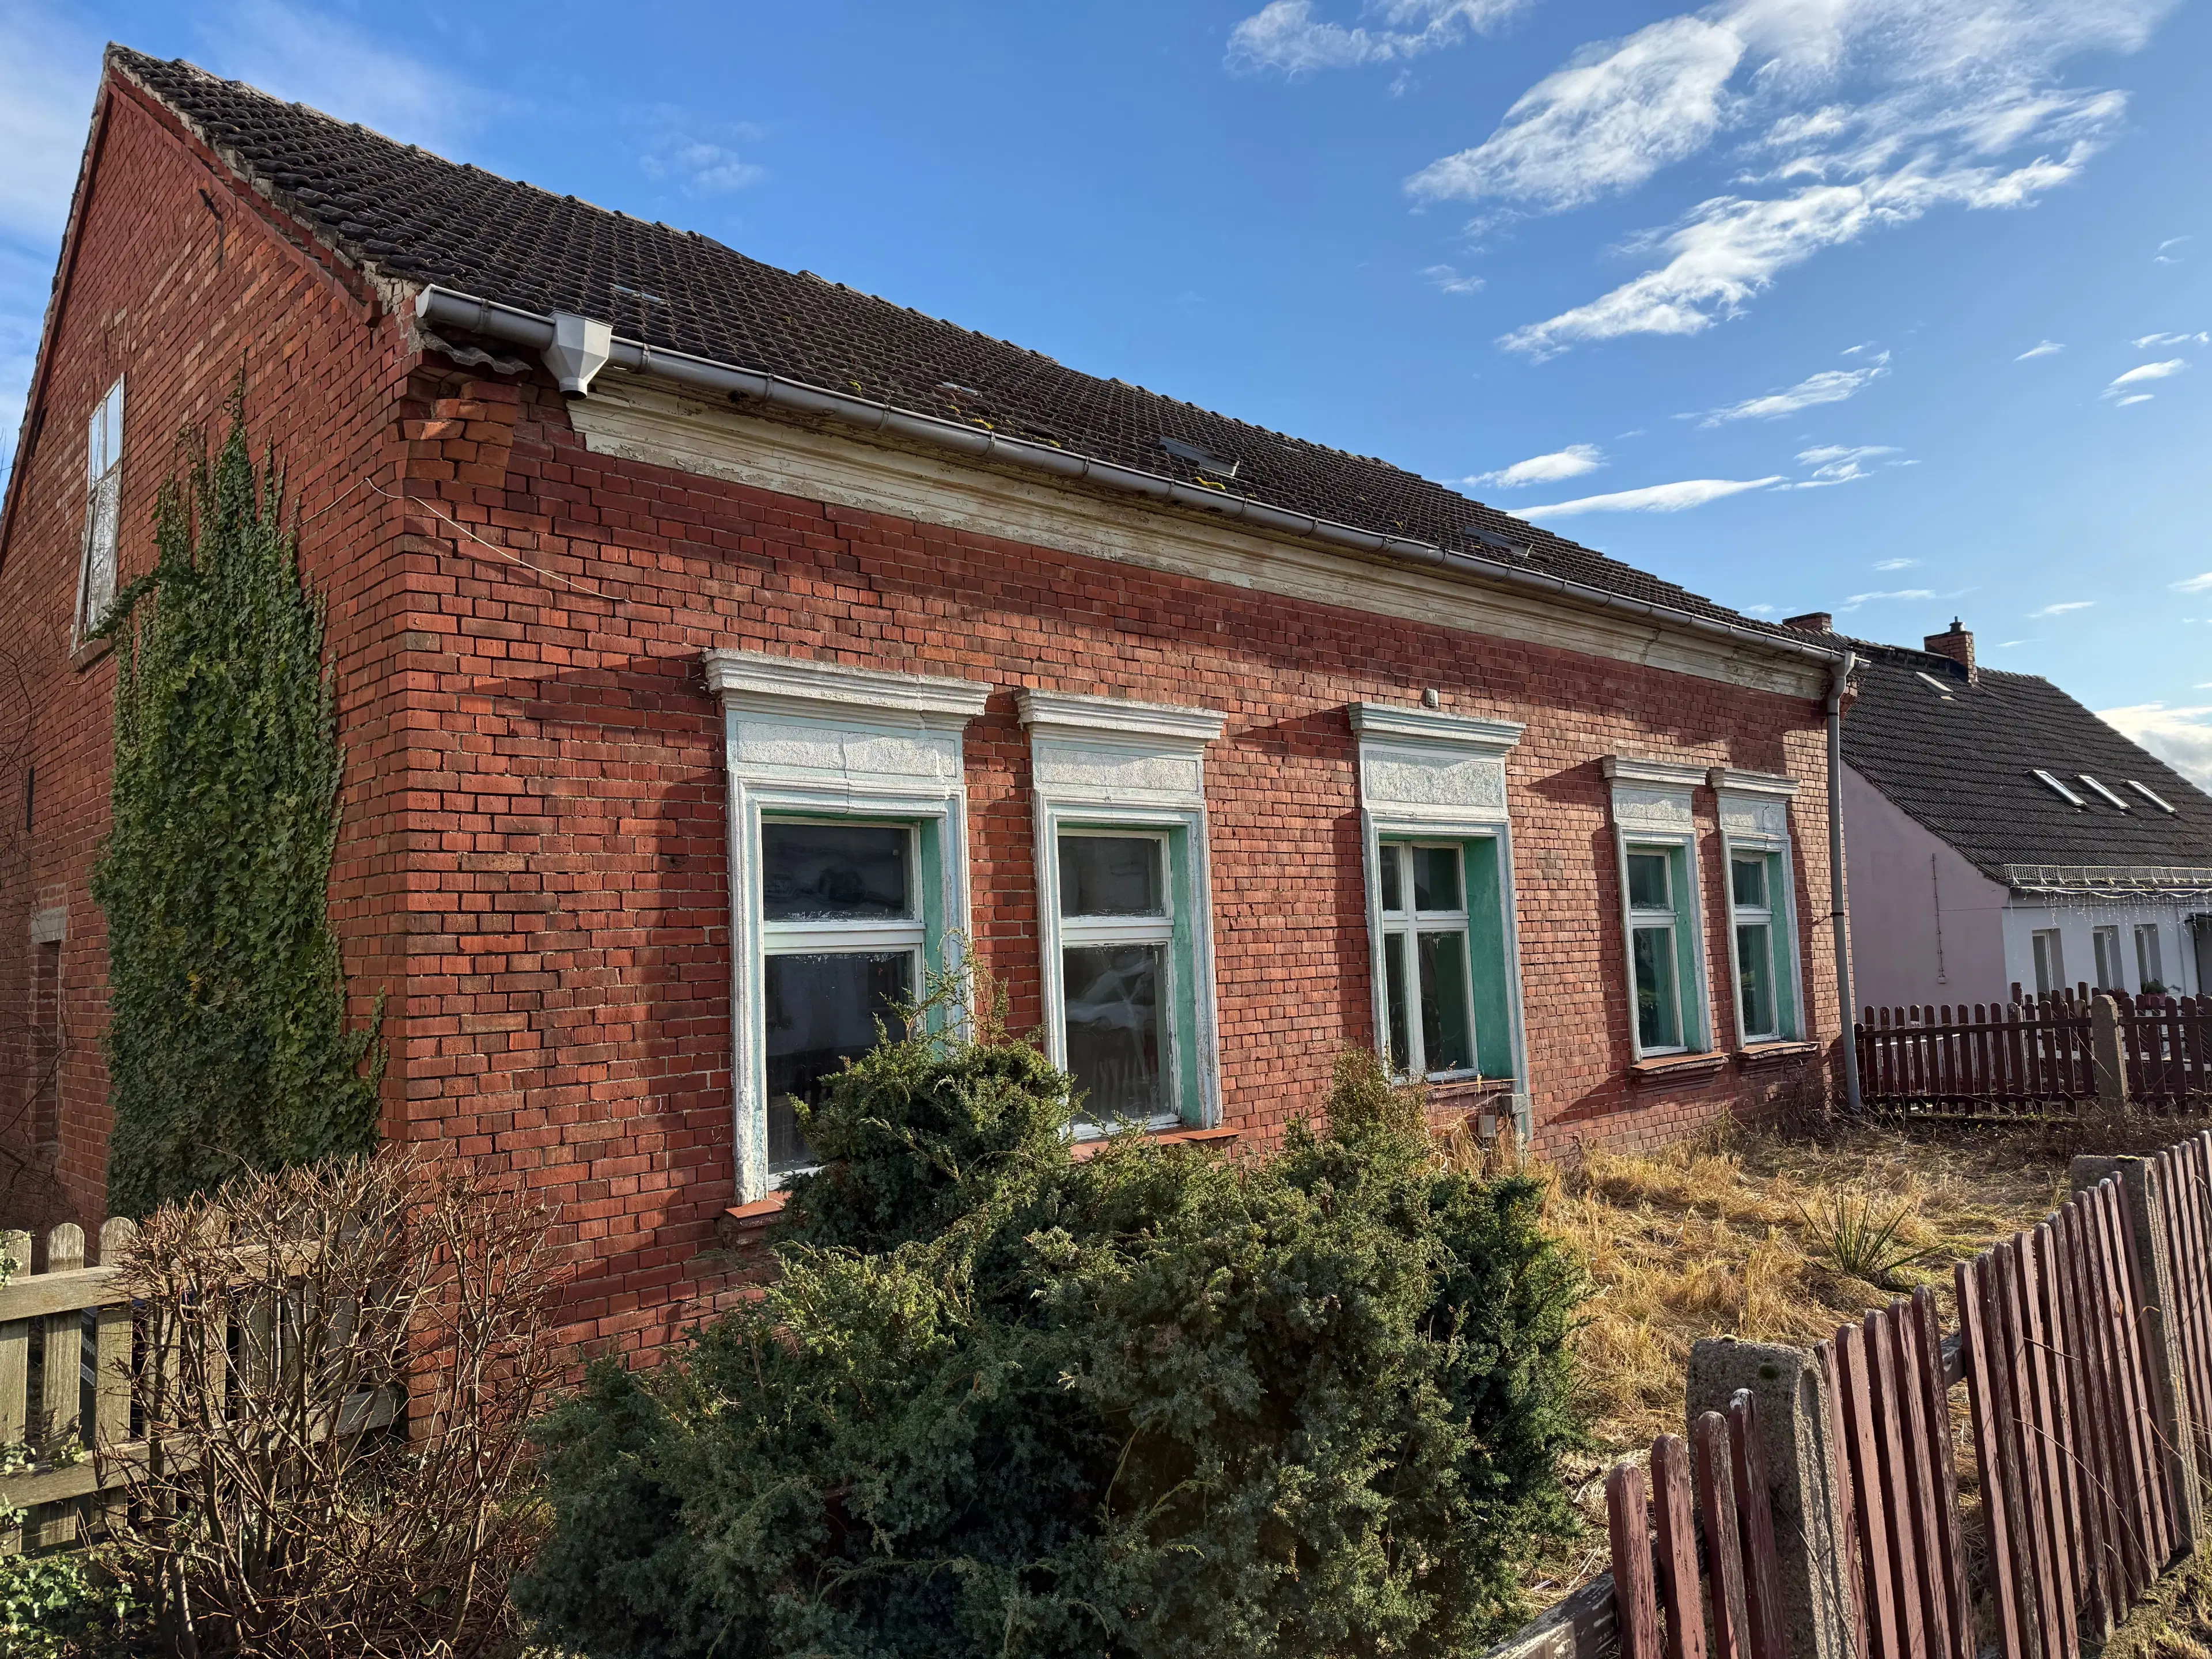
1838	916
576	347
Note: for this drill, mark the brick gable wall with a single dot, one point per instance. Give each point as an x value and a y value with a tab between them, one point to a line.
533	859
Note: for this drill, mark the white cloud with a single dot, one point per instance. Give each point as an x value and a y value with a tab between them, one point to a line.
1857	114
1836	463
2195	584
701	169
1449	280
2162	258
1616	114
1858	599
2151	371
2065	609
2182	738
1569	463
2136	397
1653	498
1762	609
2147	341
1891	564
1285	35
2041	348
1830	386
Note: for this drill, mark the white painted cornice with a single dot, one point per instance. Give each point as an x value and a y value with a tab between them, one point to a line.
1069	715
630	417
757	680
1653	775
1469	731
1751	783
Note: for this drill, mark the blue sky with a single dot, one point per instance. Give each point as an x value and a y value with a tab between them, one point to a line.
1894	308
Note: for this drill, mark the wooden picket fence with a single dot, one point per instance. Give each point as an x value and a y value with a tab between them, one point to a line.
65	1342
2037	1055
2088	1379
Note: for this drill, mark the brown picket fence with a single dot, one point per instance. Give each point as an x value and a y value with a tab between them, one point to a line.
2084	1345
2037	1054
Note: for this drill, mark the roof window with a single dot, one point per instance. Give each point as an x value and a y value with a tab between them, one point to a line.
2060	789
1495	542
2106	792
1933	685
2149	794
1204	460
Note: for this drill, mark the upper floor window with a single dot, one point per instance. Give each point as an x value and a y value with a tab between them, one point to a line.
103	509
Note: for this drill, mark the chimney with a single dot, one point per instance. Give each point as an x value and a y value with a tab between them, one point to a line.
1958	645
1812	622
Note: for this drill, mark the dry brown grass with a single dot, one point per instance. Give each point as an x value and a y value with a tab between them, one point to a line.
1732	1234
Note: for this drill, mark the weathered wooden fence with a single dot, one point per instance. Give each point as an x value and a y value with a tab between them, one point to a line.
65	1342
2084	1346
2062	1052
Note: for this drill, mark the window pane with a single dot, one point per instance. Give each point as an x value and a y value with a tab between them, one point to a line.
1749	875
2150	965
1658	1023
833	871
1754	967
1447	1043
2049	967
1394	897
1436	878
2107	941
1113	1006
821	1010
1111	876
1647	882
1394	994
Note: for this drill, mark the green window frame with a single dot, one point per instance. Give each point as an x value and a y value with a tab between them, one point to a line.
1664	979
1762	919
1446	991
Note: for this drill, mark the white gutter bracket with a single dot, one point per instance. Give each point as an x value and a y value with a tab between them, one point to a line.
580	348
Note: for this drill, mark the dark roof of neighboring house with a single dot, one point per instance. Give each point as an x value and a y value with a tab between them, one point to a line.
427	221
1961	762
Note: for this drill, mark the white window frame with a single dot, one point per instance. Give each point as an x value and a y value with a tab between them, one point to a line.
2150	963
2104	937
2052	965
1426	776
1754	820
1654	809
1410	925
821	741
1112	765
97	570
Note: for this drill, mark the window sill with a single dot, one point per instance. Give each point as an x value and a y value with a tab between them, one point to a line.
1669	1068
86	652
745	1226
1775	1052
1092	1147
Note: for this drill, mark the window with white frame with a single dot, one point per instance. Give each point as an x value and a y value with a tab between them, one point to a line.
1753	809
103	509
1125	897
2150	957
2106	941
848	876
1437	840
2049	961
1656	832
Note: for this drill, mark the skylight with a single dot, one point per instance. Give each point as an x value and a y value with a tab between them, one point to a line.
1204	460
2145	791
2101	790
1933	685
2060	789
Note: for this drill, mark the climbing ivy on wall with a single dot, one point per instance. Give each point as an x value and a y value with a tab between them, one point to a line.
227	1043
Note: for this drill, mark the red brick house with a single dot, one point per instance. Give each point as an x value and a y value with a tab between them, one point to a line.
717	647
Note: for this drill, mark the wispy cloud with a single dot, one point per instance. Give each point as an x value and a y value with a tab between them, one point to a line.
1886	565
1836	463
1571	462
2141	374
1830	386
674	147
1858	599
2144	343
1285	35
2133	397
48	71
1653	498
2195	584
1447	279
2066	608
2041	348
1856	115
2182	738
2164	258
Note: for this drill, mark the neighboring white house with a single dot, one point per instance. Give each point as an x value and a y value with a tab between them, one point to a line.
1999	834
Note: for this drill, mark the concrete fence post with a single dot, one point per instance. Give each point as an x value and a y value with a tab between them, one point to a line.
2155	1275
2105	1046
1801	1475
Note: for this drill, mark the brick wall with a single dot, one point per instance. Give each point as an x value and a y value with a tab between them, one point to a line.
532	863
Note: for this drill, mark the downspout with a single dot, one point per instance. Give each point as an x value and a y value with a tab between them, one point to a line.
576	349
1839	911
